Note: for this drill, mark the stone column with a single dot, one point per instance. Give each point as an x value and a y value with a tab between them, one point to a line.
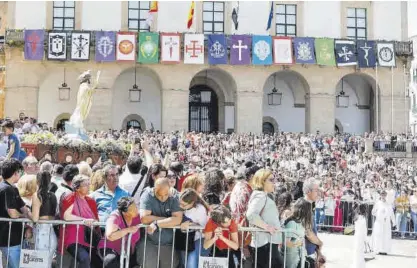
321	111
398	121
409	149
174	110
369	146
249	112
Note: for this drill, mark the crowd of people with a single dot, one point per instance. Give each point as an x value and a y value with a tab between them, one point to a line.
207	187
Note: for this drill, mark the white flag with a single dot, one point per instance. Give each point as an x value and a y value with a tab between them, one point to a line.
57	46
126	47
386	54
194	49
170	48
283	50
80	46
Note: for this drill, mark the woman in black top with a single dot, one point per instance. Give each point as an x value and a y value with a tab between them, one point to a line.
44	206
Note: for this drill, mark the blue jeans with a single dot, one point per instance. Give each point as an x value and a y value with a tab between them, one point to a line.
414	218
14	256
319	217
193	256
401	219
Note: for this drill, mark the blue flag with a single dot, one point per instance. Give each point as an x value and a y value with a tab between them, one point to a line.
345	52
217	49
366	53
271	15
304	50
262	50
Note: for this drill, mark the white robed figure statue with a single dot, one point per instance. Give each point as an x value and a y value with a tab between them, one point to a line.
84	100
382	230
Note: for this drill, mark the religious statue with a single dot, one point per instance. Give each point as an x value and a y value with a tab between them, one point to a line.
84	100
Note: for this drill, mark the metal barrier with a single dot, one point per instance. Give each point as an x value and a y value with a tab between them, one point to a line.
125	255
384	145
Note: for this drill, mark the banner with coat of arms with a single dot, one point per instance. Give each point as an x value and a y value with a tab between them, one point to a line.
304	50
170	48
194	49
148	47
57	46
105	46
325	51
80	46
217	49
386	54
283	50
261	50
126	46
345	52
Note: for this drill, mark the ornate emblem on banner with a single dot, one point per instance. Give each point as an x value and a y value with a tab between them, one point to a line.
386	54
126	47
345	53
217	50
57	46
80	46
194	50
262	49
105	46
325	52
304	51
366	49
148	48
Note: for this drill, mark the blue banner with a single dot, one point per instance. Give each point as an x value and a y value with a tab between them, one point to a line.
217	49
261	50
366	53
304	50
345	52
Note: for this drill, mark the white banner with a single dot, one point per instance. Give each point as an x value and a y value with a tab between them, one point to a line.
205	262
80	46
283	51
34	259
194	49
126	47
170	48
386	54
57	46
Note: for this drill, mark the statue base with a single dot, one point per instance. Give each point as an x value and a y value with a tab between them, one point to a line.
75	133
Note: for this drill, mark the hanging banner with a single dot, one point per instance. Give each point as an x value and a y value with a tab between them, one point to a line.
386	54
57	46
240	49
304	50
34	48
105	46
262	50
80	46
170	48
217	49
325	51
148	47
283	50
345	52
366	53
194	49
126	46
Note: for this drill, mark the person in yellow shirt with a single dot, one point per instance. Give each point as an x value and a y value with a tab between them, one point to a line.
402	205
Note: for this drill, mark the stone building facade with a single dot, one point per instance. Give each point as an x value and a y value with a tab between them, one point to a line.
376	100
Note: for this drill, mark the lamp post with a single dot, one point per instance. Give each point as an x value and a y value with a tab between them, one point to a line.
135	93
342	100
64	90
275	97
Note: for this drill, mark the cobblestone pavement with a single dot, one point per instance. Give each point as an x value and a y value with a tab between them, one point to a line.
338	250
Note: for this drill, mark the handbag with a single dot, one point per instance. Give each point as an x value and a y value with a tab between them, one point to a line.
90	234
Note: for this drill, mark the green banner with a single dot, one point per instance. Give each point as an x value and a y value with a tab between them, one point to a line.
325	51
148	51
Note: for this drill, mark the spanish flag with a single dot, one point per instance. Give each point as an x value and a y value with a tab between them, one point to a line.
190	15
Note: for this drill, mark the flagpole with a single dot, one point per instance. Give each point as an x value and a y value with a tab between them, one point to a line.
377	97
392	99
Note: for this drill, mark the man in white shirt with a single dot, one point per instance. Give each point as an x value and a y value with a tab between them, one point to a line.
130	178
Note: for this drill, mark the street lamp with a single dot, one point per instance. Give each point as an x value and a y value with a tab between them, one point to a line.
135	93
275	97
342	100
64	90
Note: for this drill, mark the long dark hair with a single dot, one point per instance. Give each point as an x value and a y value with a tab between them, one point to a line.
191	196
284	202
43	179
302	213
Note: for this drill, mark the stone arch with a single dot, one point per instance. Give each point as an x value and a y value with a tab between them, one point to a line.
224	85
272	121
292	114
136	117
60	117
150	106
361	114
339	125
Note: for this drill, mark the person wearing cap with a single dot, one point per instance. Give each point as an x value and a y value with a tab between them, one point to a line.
384	217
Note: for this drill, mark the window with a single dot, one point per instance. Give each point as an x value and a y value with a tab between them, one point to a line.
286	20
64	15
213	17
356	23
138	13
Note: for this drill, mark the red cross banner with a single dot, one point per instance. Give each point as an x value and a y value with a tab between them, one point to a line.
194	49
126	46
170	48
